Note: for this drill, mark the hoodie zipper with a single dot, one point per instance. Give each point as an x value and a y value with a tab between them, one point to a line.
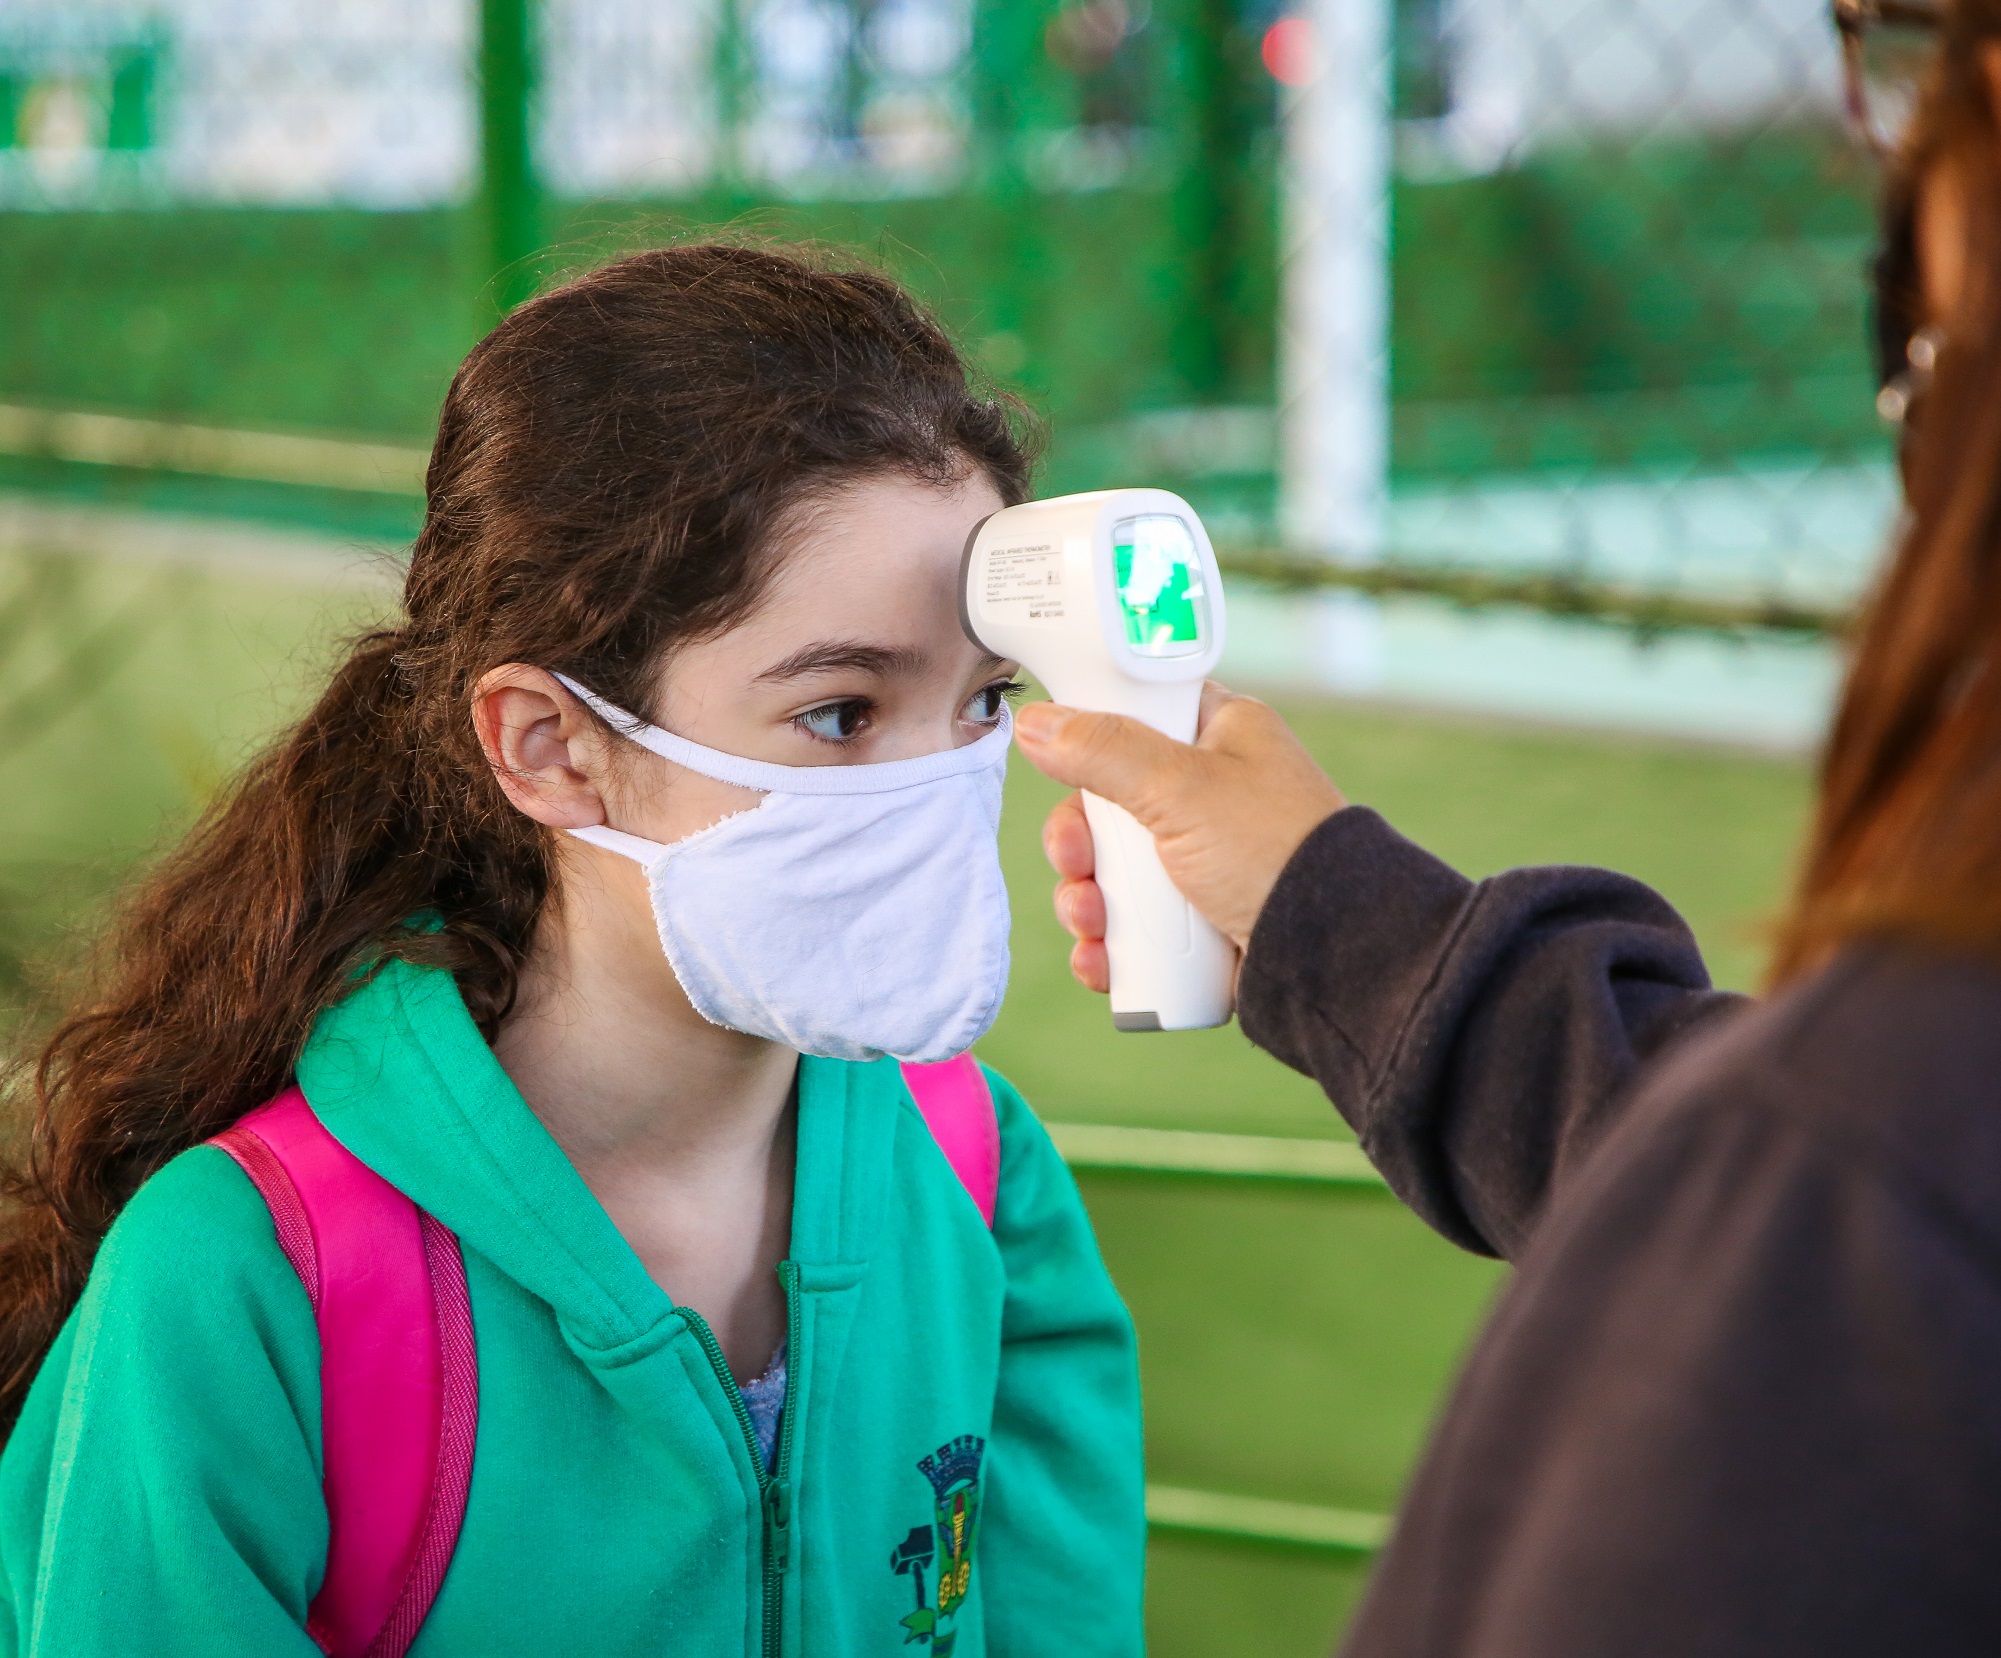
774	1487
778	1489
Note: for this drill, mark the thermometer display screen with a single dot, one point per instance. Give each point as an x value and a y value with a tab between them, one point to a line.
1159	575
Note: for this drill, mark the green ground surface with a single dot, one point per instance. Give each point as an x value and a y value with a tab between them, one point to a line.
1295	1342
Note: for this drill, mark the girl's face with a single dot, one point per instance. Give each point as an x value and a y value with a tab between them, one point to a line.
854	654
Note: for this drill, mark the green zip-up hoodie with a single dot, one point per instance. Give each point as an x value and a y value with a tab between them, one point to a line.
161	1494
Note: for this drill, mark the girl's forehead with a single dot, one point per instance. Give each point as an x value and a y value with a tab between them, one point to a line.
875	549
864	581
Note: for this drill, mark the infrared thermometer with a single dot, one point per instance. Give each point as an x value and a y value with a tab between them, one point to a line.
1113	601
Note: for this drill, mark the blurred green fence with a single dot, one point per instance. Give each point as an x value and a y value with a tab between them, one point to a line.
1624	343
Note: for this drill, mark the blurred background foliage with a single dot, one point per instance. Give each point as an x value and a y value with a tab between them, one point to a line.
1636	269
1681	304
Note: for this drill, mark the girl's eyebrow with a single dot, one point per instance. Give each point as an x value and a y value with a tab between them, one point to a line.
885	661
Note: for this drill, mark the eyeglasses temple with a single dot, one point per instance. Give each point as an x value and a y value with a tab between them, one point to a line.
1855	18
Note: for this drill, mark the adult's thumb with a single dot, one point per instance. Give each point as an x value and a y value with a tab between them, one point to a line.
1116	758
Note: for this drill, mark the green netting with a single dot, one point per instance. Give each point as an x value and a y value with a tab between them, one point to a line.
1645	270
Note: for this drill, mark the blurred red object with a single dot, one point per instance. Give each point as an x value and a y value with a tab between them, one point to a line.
1287	51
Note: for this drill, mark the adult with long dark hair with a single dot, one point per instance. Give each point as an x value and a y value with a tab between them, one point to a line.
590	911
1743	1396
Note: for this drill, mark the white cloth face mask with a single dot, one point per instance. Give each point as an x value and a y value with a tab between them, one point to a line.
855	911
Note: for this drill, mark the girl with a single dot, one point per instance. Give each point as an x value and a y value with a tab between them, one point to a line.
583	908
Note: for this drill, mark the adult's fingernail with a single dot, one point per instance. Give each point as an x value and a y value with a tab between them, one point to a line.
1041	722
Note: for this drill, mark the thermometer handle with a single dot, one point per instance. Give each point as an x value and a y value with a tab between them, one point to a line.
1171	970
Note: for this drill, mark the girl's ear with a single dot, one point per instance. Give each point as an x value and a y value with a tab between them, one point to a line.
547	753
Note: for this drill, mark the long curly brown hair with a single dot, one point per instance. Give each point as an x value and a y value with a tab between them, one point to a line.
609	464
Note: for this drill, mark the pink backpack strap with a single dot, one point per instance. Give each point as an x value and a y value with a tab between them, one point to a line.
399	1374
958	1108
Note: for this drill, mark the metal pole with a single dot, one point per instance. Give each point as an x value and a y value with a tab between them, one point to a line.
510	206
1334	303
1008	86
1208	198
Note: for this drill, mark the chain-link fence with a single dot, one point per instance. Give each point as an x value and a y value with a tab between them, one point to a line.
1614	344
1630	332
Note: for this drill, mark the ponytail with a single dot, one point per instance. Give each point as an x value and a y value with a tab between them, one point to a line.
307	868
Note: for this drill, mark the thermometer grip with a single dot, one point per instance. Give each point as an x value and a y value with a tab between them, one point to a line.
1171	970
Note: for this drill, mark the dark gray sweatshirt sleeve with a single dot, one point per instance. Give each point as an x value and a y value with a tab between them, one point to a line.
1740	1398
1478	1036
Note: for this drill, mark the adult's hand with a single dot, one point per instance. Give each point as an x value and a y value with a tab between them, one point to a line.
1227	812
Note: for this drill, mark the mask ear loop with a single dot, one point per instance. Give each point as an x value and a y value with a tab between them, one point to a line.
880	777
637	848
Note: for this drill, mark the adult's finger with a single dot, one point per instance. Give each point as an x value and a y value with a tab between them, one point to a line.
1227	811
1117	759
1214	695
1066	841
1090	966
1080	906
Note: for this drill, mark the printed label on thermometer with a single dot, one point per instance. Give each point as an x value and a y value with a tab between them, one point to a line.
1026	581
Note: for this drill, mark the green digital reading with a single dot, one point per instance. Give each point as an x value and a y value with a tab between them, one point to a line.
1159	575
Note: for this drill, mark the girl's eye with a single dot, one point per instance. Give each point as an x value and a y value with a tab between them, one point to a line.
835	722
987	702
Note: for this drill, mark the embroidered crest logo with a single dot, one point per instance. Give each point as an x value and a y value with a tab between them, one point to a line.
947	1542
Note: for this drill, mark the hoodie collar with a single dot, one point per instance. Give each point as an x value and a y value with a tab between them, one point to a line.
401	1076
